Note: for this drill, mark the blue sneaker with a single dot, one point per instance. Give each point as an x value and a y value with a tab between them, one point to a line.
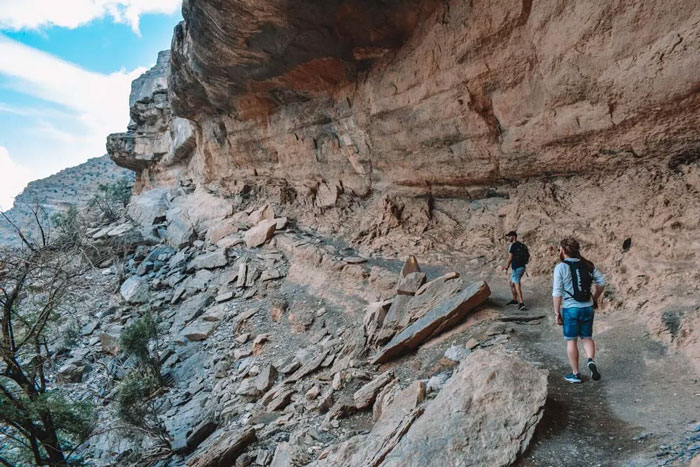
595	374
573	378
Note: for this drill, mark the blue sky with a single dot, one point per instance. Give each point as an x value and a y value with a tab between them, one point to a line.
65	73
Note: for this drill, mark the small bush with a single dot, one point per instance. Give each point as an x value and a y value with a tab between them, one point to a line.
111	197
67	224
141	340
136	405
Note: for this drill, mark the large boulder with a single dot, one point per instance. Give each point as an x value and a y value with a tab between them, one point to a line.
149	207
485	414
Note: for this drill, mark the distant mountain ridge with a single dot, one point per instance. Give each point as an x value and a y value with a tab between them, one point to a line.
73	186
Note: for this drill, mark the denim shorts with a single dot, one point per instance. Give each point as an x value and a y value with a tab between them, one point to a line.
578	322
516	274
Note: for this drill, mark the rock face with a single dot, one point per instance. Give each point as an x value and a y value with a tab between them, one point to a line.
417	94
154	135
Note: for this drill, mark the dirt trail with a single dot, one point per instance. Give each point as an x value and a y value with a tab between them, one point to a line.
639	414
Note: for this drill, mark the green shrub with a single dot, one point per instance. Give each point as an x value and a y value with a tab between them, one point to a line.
140	339
67	224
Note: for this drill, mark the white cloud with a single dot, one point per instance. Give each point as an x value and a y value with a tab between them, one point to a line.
101	101
33	14
13	178
92	105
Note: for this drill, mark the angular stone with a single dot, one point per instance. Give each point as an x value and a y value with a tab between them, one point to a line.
282	457
109	344
230	241
201	432
281	400
481	417
180	232
409	266
309	367
445	315
224	452
281	222
440	280
221	230
364	396
149	207
242	274
199	330
261	233
418	305
135	290
313	393
266	378
326	195
213	260
410	283
224	297
71	373
263	213
271	274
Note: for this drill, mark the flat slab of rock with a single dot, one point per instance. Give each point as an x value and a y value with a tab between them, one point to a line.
261	233
199	330
213	260
367	393
225	451
443	316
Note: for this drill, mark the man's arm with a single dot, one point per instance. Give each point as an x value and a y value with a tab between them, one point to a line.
598	285
510	260
557	292
557	309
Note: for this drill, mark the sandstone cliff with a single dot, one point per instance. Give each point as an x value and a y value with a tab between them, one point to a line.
418	127
432	95
382	122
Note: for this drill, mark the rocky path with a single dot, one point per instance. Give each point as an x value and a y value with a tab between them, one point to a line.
644	410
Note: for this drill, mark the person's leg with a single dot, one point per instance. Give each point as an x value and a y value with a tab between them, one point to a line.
586	329
519	292
572	352
589	347
513	291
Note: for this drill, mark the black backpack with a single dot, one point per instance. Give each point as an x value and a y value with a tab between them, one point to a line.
521	255
581	280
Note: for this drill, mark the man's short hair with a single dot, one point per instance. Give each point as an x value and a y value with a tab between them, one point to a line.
512	233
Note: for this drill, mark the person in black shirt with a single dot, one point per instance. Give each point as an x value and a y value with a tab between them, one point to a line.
518	257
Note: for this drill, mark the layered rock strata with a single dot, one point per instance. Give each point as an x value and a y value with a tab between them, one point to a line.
428	95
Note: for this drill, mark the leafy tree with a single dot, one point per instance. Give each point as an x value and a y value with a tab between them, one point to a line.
35	283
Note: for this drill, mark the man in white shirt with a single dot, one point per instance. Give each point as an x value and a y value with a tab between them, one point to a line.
576	286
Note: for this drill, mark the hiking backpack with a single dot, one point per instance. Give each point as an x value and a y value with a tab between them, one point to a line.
521	255
581	280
